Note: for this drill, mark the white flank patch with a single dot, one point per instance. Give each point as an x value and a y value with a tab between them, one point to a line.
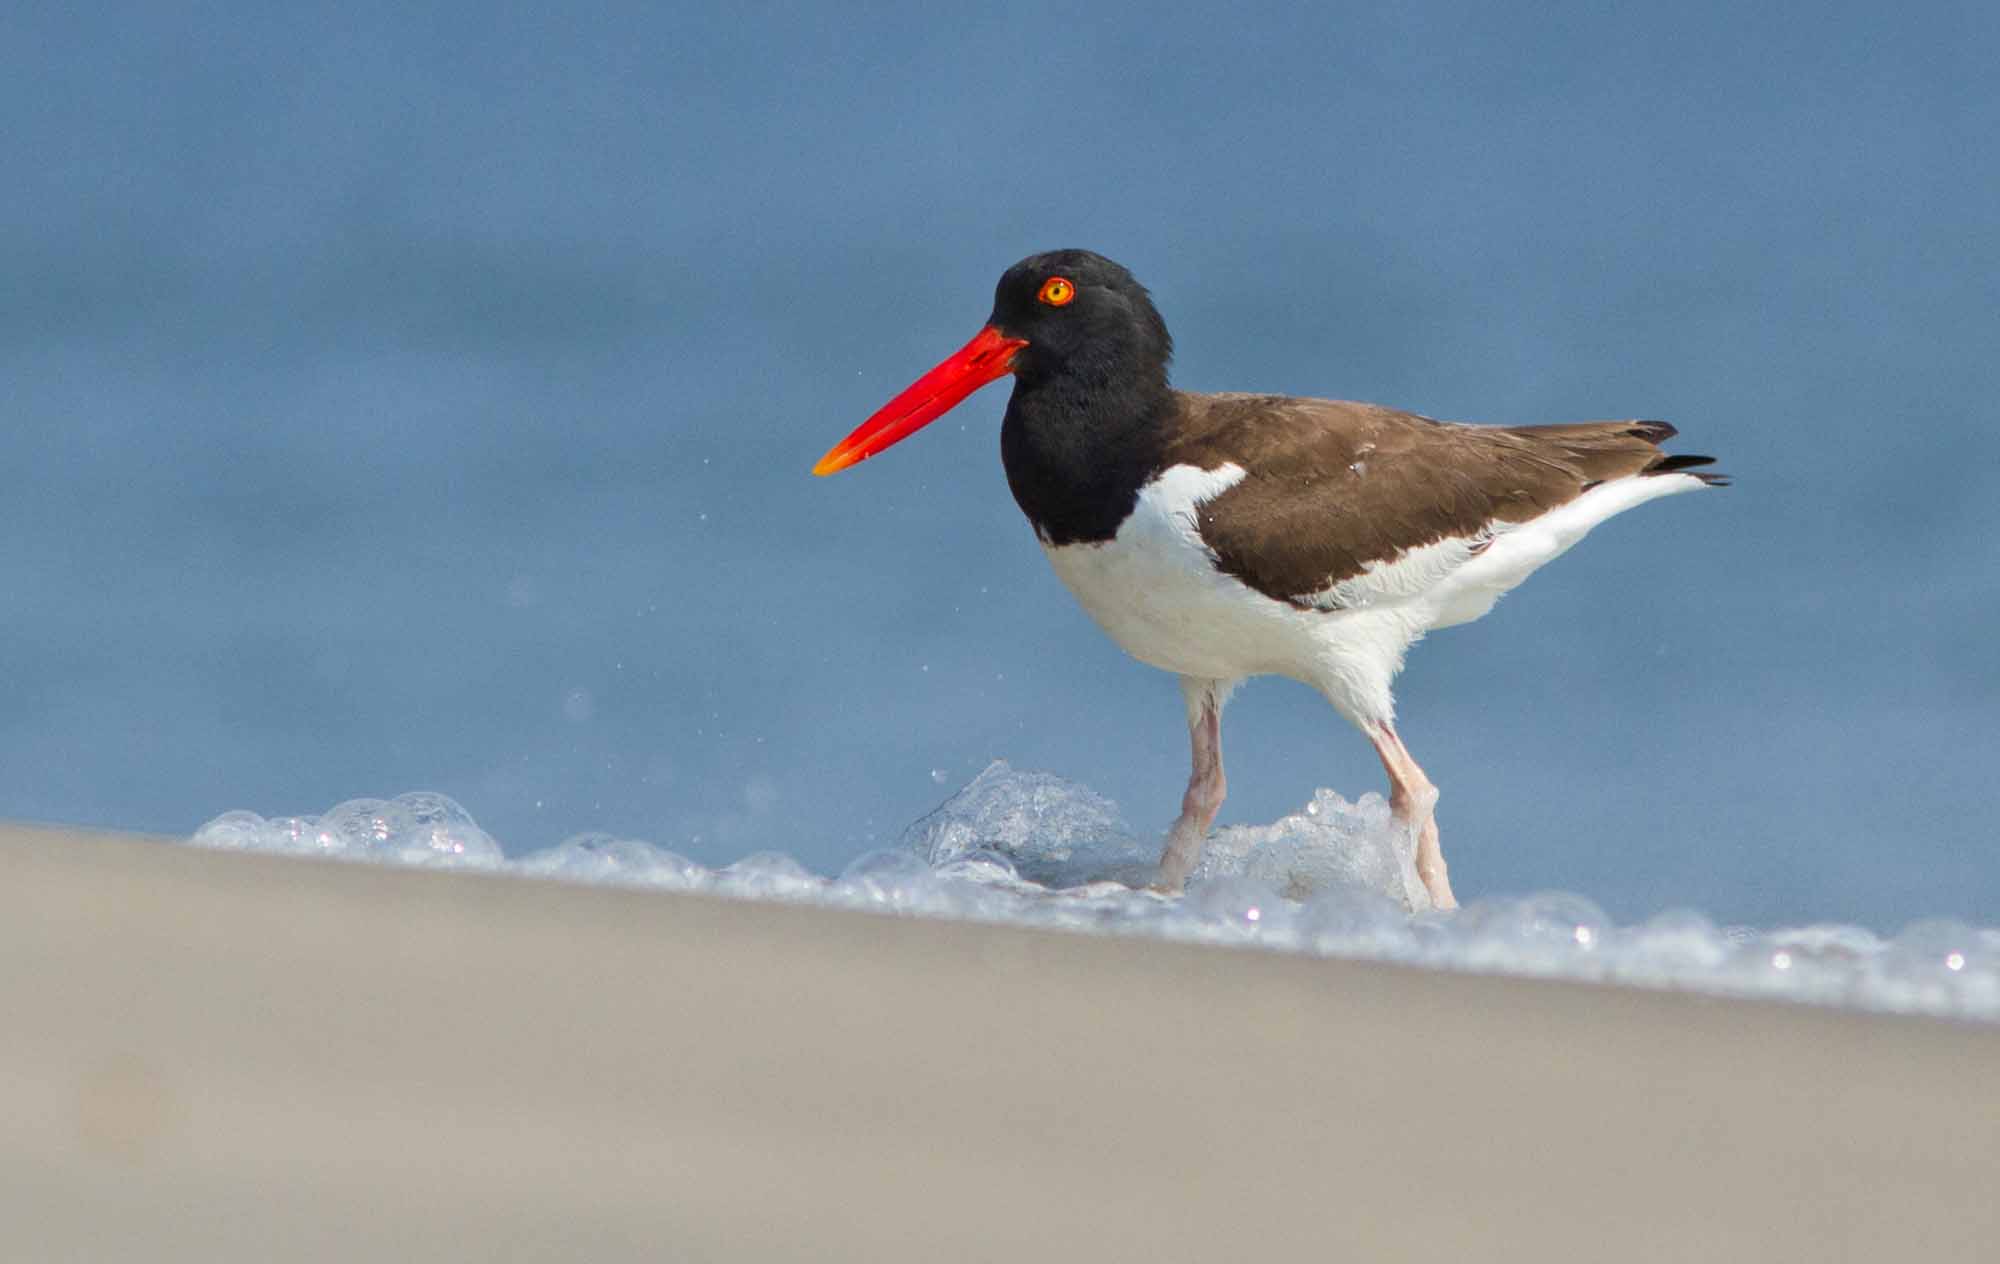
1411	574
1520	549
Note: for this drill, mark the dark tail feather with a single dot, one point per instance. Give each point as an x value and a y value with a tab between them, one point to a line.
1685	464
1599	450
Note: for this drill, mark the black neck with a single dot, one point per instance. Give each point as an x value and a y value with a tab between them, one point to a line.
1078	448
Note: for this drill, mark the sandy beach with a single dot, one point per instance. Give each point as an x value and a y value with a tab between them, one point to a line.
222	1056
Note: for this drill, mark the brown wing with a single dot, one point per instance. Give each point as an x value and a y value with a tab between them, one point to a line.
1335	485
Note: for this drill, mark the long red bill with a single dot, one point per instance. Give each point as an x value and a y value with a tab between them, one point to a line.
988	356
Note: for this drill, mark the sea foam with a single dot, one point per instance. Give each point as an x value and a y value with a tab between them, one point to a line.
1335	879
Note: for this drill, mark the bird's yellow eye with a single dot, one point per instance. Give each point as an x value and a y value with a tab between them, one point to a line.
1057	292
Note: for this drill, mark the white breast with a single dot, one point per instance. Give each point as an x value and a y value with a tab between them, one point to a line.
1155	590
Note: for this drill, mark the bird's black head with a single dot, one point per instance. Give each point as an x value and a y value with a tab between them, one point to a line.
1079	334
1084	318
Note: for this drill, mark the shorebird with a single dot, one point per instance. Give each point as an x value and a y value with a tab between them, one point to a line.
1225	536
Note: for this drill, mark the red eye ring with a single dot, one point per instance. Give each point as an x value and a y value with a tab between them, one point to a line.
1057	292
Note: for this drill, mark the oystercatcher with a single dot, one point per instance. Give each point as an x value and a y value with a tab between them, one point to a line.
1225	536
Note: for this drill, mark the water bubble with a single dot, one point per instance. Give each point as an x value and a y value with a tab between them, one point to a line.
605	858
891	864
300	834
889	879
981	865
359	827
770	875
442	831
1053	831
234	831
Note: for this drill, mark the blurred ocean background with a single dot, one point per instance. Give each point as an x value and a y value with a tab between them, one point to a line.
403	397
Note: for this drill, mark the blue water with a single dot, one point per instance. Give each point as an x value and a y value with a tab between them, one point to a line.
403	397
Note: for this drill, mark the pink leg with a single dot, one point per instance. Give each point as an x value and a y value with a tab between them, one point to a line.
1206	786
1413	801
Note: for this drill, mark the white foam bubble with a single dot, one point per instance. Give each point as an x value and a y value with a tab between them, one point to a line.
1054	832
420	828
1335	879
616	861
1330	844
